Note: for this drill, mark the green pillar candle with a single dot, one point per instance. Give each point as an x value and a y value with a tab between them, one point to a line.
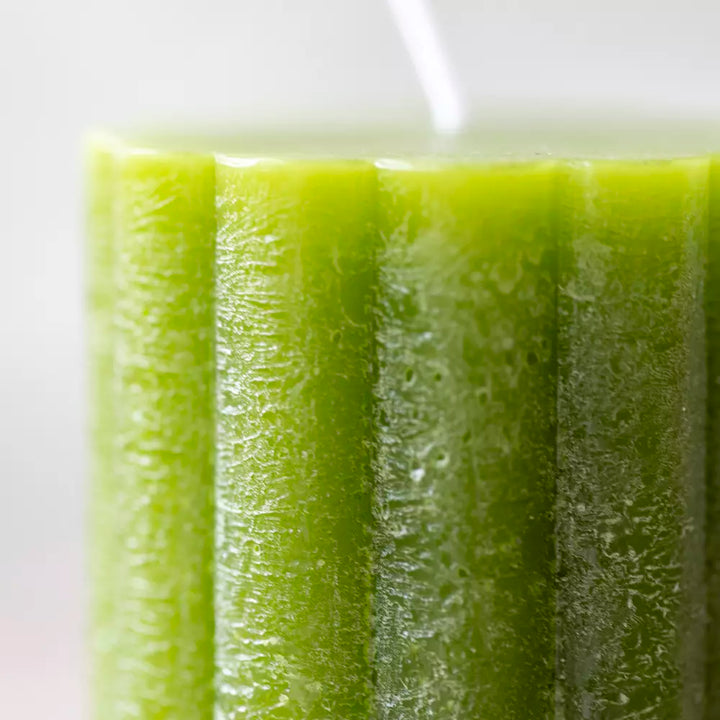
712	295
464	601
631	408
294	439
153	533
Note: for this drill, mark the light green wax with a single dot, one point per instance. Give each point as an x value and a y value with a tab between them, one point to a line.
152	534
295	281
631	440
464	602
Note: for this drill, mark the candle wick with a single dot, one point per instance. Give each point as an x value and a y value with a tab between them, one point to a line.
422	42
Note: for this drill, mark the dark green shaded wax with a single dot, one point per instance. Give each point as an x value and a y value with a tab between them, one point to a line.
464	601
295	348
712	305
631	440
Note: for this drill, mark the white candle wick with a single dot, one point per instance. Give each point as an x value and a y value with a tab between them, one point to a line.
422	41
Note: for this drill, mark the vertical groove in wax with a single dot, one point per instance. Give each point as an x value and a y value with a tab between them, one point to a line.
295	349
712	305
100	198
464	605
631	440
157	539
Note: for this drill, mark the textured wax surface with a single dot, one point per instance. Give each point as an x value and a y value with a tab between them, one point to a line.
294	437
432	379
712	306
631	440
153	511
466	444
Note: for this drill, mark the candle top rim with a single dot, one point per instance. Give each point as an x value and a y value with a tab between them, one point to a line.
514	139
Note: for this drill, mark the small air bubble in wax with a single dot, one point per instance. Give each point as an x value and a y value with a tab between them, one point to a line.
417	474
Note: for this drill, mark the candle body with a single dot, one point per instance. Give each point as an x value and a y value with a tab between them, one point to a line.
418	402
153	533
295	279
631	440
464	601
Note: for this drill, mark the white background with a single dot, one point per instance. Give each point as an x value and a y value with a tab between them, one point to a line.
67	66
